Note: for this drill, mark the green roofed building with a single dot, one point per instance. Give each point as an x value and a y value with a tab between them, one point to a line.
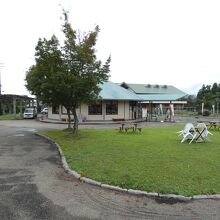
113	91
157	98
156	93
123	102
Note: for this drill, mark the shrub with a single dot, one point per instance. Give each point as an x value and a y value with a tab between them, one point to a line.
206	112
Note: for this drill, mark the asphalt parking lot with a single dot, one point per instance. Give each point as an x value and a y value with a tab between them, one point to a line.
33	185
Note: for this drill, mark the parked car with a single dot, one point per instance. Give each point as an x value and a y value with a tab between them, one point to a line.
30	113
44	111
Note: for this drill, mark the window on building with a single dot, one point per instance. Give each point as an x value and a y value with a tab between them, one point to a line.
55	109
95	109
111	107
63	110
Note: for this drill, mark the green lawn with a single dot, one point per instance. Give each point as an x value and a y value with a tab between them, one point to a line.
153	161
9	117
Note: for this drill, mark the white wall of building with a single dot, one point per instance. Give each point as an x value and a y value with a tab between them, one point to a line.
82	112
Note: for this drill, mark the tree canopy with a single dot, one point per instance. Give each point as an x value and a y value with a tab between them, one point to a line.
67	74
209	95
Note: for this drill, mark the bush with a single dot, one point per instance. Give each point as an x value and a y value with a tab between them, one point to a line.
206	112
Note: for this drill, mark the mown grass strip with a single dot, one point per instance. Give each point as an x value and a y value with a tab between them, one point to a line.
153	160
10	117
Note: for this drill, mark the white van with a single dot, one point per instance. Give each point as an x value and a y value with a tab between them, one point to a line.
30	113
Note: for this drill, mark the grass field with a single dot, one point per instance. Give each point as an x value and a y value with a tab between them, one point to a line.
9	117
154	160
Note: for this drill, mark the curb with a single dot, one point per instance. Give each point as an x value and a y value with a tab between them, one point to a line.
73	173
88	122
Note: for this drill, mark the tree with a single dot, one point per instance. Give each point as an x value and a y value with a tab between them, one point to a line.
208	95
44	78
214	88
191	101
67	75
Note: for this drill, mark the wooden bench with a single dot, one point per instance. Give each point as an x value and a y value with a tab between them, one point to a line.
66	119
129	126
214	124
118	119
136	128
126	127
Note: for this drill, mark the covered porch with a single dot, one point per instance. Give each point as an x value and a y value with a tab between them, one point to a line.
13	104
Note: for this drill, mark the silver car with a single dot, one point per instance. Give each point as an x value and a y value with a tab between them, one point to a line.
30	113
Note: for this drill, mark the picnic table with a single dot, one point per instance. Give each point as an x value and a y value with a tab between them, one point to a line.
211	124
129	126
214	124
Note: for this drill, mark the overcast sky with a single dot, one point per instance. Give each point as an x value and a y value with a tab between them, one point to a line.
172	42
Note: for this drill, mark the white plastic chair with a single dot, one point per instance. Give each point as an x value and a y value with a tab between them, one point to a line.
188	133
203	128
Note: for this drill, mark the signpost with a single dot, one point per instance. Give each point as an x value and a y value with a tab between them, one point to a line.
202	108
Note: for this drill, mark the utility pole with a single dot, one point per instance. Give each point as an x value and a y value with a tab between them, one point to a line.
1	66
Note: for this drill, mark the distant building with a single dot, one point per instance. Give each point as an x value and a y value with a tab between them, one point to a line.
12	104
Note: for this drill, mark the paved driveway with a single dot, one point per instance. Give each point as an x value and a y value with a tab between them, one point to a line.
33	185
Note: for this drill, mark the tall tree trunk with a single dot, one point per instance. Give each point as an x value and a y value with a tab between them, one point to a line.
69	117
76	121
